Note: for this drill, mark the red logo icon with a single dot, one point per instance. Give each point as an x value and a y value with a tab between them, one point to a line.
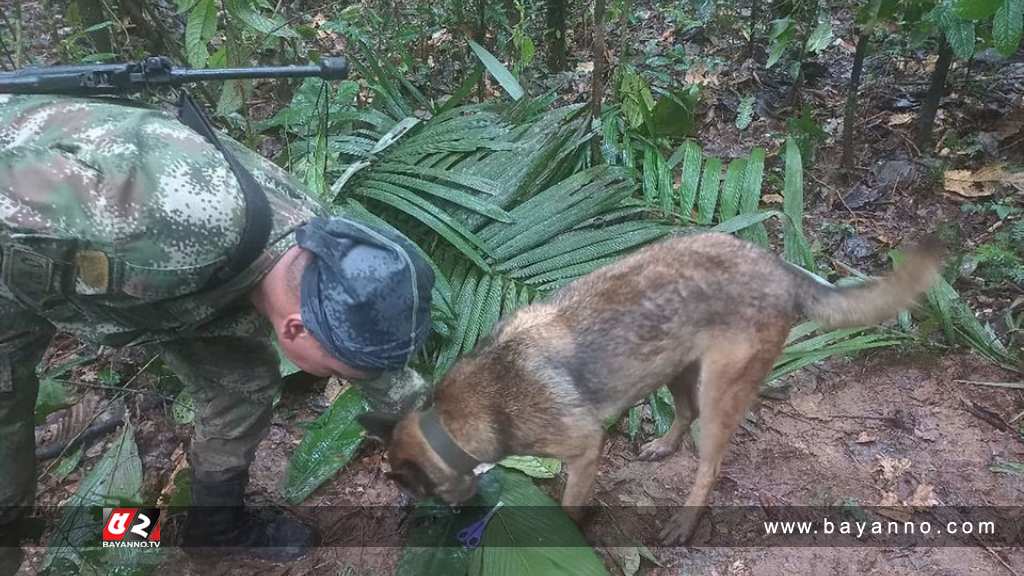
131	527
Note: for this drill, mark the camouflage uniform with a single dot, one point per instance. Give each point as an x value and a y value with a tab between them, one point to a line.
113	217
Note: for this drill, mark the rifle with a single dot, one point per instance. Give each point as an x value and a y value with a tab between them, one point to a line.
151	72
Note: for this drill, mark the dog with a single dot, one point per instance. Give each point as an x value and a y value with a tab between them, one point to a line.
706	315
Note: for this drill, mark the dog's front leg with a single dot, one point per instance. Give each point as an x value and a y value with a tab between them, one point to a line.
581	470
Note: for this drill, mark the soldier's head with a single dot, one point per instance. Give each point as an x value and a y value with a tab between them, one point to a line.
351	300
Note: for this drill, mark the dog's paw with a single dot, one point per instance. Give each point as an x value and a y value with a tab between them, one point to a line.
657	449
679	530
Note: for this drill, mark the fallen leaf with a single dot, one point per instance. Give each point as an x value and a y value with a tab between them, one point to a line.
772	198
981	183
585	67
924	495
901	118
893	468
865	438
629	560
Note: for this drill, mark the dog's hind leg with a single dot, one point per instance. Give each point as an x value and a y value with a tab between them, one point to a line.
730	378
684	395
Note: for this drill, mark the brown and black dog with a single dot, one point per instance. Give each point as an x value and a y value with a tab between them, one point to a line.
706	315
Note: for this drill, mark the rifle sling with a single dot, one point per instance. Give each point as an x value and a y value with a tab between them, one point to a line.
258	223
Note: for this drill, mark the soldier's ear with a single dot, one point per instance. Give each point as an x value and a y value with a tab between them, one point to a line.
379	425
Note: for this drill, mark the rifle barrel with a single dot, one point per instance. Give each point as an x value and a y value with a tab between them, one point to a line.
119	78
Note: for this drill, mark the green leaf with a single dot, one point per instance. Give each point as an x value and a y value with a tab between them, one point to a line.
449	193
795	246
751	196
52	396
959	33
745	113
783	32
650	185
533	466
244	11
743	221
732	189
529	534
820	37
327	447
183	410
977	9
673	114
709	190
662	410
690	180
67	464
633	422
201	26
439	221
115	481
1007	27
498	70
1008	467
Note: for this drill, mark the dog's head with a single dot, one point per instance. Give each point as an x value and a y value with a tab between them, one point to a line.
415	466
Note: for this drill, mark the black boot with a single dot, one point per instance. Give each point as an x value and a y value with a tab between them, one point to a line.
219	524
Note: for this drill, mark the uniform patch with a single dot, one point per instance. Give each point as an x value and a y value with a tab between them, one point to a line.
93	269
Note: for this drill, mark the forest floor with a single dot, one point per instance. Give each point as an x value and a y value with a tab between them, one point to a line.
900	423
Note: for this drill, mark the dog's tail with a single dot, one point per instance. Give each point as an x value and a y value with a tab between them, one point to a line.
875	300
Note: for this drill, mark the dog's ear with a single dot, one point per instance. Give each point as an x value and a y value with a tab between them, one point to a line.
379	425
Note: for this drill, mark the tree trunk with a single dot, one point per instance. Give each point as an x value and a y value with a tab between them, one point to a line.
627	7
556	35
851	100
755	6
597	86
92	14
935	91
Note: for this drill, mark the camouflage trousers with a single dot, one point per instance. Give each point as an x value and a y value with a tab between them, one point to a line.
233	381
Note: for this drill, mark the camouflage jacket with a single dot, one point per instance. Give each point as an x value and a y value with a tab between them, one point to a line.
139	211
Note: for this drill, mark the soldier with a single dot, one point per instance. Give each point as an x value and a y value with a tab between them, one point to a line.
116	225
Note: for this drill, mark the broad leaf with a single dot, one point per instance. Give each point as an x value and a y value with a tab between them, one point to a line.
52	396
959	32
783	31
673	114
745	112
201	26
1007	26
529	534
796	249
115	481
977	9
533	466
820	37
327	447
244	11
498	70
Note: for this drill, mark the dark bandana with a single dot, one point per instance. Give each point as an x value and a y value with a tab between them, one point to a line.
365	294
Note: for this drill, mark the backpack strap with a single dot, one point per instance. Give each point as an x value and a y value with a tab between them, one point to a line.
258	223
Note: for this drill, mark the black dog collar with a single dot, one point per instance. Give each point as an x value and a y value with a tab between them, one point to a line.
441	442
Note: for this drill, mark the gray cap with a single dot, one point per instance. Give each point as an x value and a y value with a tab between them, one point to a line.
365	293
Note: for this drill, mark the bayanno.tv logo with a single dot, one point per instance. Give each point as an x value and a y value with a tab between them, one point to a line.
131	528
